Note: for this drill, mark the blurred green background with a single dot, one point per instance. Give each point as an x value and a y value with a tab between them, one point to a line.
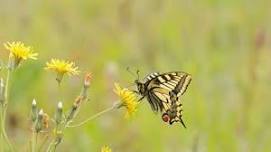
224	44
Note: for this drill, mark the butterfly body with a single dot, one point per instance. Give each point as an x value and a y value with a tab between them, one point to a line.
163	92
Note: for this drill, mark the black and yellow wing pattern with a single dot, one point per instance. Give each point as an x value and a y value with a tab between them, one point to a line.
163	92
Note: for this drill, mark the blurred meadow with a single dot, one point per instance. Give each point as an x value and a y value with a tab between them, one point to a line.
224	44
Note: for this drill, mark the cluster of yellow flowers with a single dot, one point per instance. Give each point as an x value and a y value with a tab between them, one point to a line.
19	52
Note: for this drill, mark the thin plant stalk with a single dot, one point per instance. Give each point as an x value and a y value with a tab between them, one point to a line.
60	127
43	143
2	136
53	143
93	117
34	141
4	111
52	146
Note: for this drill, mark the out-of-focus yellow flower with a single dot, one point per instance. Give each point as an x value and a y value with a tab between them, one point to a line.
62	67
20	52
128	100
106	149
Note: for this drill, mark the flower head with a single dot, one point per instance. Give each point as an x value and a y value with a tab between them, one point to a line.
106	149
20	52
62	67
128	100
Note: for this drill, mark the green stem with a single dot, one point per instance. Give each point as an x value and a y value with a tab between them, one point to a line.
53	145
43	143
34	141
2	138
93	117
3	113
53	142
50	146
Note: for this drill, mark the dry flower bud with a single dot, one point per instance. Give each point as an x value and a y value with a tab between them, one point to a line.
45	121
87	80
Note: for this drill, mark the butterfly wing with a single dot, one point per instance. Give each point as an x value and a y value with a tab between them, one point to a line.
167	104
175	112
159	99
164	92
174	81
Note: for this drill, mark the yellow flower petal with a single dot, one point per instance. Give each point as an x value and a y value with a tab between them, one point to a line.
128	100
62	67
20	51
106	149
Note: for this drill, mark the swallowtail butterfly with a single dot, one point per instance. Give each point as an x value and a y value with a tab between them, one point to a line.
163	92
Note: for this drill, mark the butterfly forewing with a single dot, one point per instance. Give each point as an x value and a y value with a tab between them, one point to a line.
170	81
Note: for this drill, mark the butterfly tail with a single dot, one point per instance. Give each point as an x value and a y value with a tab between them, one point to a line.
182	122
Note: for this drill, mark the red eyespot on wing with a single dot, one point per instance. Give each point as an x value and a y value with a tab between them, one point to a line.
165	117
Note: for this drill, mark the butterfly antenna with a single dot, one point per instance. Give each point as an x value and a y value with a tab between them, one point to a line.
137	73
130	85
128	69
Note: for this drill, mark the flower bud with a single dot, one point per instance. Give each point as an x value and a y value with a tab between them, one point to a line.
87	80
34	111
59	113
72	112
39	122
45	121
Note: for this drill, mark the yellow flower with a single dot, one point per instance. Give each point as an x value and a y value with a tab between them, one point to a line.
128	100
106	149
20	52
62	67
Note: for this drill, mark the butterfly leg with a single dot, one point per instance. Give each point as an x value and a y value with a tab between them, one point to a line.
141	98
134	91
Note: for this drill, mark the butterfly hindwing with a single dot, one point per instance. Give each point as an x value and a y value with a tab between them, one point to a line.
168	104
